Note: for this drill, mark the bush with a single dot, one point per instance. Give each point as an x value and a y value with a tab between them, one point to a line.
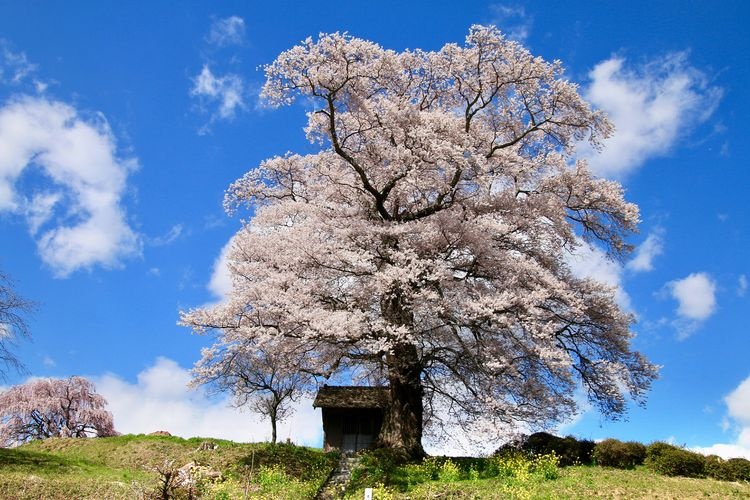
734	469
739	469
569	450
615	453
586	449
673	461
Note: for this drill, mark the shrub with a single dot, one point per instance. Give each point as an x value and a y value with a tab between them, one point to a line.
713	467
739	469
673	461
615	453
539	443
734	469
586	451
569	450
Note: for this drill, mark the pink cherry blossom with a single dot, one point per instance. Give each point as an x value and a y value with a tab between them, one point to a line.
424	245
45	408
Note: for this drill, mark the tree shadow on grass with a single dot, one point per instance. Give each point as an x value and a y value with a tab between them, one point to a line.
33	461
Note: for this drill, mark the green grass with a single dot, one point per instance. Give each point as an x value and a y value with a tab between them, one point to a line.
125	467
518	477
583	482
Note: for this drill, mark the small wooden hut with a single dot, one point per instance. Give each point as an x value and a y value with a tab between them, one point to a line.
352	416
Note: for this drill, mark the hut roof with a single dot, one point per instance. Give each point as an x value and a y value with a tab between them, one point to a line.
330	396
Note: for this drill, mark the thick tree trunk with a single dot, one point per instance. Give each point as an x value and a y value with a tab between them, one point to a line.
402	421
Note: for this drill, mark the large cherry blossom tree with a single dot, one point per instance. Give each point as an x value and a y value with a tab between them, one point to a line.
426	245
45	408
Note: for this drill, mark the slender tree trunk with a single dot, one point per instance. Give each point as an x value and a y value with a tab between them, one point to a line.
402	420
273	427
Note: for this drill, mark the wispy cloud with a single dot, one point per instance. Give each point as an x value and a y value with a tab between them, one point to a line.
742	285
696	299
161	400
76	216
652	106
221	96
647	251
512	20
227	31
169	237
14	66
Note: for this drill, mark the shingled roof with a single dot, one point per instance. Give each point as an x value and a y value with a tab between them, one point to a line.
331	396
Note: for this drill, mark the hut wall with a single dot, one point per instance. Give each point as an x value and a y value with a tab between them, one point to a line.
365	423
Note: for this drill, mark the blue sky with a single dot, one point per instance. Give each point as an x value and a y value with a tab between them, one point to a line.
122	123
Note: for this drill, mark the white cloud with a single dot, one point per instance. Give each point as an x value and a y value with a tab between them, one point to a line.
512	20
696	299
48	362
696	296
742	285
652	247
738	403
227	31
14	66
651	106
161	400
221	279
84	180
738	411
171	235
40	209
224	92
589	261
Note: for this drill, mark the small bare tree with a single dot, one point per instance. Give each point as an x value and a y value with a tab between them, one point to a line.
265	380
13	311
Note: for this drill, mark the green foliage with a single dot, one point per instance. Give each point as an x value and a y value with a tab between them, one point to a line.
734	469
582	482
275	483
379	467
615	453
449	472
674	461
569	450
546	466
296	461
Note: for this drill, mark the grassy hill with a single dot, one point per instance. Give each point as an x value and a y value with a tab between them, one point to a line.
143	466
137	466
